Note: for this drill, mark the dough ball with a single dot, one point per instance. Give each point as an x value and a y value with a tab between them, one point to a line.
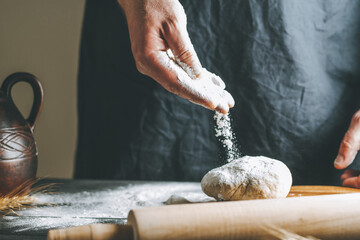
248	178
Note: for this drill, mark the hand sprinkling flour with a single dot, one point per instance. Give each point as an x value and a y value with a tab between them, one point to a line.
207	85
163	51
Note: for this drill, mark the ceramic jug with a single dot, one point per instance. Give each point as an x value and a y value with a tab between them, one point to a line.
18	153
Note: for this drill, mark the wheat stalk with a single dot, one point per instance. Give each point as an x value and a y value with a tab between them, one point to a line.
23	197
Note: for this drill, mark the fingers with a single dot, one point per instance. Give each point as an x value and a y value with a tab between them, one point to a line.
352	182
178	40
349	173
229	99
351	178
211	87
216	98
350	144
225	103
201	91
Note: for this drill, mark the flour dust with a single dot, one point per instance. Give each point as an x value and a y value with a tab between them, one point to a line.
105	205
226	136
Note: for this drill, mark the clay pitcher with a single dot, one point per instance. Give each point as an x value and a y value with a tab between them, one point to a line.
18	153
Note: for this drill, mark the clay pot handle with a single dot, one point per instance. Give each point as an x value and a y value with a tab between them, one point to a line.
38	93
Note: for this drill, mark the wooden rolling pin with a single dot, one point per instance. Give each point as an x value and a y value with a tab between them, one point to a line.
324	217
93	232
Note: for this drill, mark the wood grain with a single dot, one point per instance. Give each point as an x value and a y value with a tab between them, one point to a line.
309	190
318	215
334	216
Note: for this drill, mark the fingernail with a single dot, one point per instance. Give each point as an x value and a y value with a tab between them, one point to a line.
339	159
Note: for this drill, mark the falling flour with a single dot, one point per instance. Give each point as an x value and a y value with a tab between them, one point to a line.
226	136
211	88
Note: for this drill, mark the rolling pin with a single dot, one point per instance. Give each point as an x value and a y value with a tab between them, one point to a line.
93	232
324	217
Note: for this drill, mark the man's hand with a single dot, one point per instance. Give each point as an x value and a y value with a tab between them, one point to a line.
157	26
351	178
349	147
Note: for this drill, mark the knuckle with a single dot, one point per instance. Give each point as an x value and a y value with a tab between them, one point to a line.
356	117
170	25
140	67
348	142
184	54
138	57
174	27
142	60
176	19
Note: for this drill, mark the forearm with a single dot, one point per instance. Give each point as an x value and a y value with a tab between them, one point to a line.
127	5
133	7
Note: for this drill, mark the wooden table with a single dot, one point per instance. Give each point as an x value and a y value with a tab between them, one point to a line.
81	202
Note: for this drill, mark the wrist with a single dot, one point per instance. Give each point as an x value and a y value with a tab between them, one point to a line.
124	3
130	7
121	2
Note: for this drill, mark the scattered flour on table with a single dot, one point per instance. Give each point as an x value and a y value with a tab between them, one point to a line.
101	206
226	136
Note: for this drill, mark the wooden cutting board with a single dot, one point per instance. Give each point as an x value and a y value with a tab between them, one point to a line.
309	190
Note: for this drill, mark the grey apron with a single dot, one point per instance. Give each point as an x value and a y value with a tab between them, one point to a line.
292	66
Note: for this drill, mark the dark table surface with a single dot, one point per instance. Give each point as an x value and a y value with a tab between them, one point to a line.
81	202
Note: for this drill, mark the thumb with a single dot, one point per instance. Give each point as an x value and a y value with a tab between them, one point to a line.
178	40
350	145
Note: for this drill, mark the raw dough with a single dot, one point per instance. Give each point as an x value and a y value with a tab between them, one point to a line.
248	178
